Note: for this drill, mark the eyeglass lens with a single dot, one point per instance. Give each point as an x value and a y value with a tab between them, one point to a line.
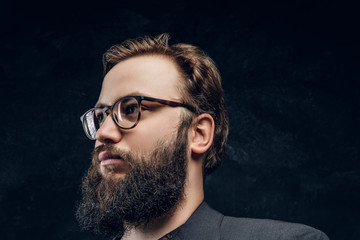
125	113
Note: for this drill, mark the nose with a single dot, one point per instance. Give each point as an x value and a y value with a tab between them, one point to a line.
109	132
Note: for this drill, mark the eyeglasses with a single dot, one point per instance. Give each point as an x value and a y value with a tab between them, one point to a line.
125	112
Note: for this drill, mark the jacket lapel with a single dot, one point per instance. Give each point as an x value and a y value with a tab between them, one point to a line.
204	224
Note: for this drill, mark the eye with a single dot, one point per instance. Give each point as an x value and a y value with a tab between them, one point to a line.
131	109
99	116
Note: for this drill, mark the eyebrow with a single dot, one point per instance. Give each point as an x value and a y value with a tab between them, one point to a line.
100	105
137	93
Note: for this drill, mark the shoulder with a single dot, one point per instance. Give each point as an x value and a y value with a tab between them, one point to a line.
208	224
248	228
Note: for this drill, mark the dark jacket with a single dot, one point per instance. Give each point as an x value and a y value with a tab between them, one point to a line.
208	224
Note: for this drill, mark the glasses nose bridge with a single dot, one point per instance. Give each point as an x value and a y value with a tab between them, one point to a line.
106	111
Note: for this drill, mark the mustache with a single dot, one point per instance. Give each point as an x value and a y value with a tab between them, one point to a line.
124	155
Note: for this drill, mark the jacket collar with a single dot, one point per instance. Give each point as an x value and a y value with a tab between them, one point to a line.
205	221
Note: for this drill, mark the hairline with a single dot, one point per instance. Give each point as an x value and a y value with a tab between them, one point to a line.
180	86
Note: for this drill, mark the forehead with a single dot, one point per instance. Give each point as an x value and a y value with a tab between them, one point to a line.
149	75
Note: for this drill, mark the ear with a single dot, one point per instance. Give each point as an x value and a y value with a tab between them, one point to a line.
203	134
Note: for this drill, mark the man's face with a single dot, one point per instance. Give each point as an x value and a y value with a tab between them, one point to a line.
152	76
145	167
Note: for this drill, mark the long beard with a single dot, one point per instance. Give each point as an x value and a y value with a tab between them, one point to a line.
151	189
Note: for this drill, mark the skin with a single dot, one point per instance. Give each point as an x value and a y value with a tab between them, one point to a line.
155	76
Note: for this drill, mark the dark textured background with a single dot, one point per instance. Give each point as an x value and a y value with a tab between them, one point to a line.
291	77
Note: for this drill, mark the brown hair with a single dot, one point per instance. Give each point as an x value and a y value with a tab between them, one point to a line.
202	82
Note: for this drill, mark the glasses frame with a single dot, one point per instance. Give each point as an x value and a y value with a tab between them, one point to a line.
139	99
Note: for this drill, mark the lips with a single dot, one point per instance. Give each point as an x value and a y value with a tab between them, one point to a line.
107	158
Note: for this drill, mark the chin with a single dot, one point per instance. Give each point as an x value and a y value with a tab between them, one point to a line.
112	172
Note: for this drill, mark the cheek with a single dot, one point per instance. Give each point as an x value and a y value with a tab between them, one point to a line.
148	133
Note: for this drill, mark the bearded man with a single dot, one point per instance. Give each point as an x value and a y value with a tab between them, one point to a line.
160	126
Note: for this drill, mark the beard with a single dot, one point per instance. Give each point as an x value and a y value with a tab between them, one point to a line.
151	189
